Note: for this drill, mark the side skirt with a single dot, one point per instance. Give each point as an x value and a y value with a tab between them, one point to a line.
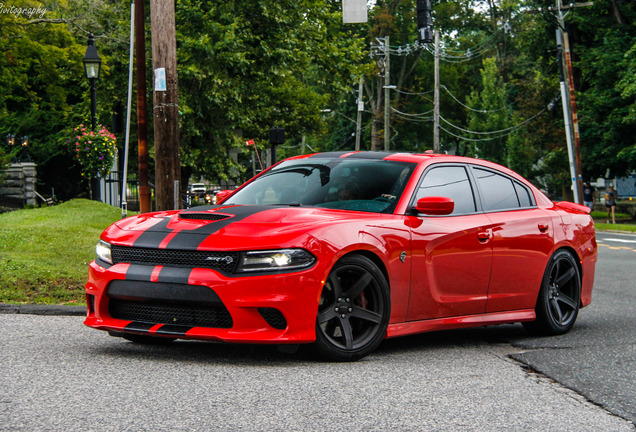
413	327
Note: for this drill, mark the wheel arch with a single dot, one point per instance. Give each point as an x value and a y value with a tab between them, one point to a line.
375	259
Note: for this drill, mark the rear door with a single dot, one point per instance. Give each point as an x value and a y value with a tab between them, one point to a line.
522	240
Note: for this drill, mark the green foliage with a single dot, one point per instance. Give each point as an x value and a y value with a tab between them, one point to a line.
492	115
94	150
44	91
246	66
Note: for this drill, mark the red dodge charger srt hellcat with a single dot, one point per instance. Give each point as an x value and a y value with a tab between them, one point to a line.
341	250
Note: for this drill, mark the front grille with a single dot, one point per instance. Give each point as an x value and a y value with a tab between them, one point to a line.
204	216
166	313
222	261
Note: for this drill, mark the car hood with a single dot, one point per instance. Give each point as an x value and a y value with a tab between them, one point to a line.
232	227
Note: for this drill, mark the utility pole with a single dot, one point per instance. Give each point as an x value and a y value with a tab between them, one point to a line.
142	115
166	107
569	101
575	119
387	118
358	120
436	97
566	117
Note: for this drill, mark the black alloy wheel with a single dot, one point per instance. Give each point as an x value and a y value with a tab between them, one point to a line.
354	310
560	296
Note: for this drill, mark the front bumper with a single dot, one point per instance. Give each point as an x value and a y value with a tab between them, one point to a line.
278	308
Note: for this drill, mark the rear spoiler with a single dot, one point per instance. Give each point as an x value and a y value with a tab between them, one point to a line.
567	205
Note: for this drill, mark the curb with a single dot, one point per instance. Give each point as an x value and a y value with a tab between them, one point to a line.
51	310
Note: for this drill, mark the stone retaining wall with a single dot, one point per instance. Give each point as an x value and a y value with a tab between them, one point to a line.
18	185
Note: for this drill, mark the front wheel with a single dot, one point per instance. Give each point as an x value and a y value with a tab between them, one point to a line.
558	303
354	310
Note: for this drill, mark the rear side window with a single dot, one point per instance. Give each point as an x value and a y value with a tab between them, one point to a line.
498	192
451	182
523	195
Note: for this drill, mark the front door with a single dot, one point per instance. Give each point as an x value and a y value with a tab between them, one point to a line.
451	255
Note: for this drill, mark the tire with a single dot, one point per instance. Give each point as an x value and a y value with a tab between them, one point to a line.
354	310
559	298
142	339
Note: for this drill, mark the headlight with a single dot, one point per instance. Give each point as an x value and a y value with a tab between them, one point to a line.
103	251
275	260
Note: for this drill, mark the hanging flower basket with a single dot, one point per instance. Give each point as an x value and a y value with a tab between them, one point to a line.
94	150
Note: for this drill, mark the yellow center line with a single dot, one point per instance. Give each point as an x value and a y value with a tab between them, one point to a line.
617	247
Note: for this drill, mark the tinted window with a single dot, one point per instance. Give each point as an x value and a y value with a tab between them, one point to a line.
451	182
523	195
337	183
497	191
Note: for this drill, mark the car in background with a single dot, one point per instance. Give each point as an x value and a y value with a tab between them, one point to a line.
197	188
338	251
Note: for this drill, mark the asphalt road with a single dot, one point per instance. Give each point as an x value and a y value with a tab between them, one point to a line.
57	375
598	357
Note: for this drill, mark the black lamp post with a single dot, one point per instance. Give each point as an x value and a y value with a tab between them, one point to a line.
92	65
24	153
10	140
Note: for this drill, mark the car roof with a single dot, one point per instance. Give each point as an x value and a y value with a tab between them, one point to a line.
404	157
418	158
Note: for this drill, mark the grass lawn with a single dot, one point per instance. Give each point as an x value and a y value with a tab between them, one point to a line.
44	252
624	222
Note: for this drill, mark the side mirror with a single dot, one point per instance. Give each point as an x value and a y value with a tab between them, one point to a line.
436	206
222	195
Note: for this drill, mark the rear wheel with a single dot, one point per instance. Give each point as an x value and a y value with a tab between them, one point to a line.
558	303
354	310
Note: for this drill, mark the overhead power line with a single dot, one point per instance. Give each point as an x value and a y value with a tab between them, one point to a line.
466	106
502	132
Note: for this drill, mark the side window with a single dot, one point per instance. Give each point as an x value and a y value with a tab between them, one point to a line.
451	182
497	191
523	195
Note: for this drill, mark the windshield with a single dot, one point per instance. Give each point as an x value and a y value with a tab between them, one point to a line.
347	184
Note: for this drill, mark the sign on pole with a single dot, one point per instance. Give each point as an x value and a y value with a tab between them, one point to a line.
354	11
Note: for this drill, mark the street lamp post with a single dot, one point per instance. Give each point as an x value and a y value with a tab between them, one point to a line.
92	65
24	153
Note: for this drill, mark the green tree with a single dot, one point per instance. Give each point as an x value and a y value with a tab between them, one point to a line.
246	66
493	115
44	92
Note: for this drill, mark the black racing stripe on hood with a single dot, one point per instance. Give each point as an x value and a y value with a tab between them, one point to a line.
139	272
191	239
153	237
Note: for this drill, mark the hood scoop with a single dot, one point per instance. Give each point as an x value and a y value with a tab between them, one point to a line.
204	216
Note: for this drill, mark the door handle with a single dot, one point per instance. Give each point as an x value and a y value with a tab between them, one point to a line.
483	236
543	227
